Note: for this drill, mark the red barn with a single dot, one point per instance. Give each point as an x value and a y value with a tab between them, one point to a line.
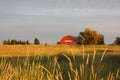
68	40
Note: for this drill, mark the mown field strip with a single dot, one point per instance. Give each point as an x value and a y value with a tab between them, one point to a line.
31	50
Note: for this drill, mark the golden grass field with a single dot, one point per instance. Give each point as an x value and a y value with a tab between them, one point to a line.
59	62
31	50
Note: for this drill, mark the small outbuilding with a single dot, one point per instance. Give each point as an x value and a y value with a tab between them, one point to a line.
68	40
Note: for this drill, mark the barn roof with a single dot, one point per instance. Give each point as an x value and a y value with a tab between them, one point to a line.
69	40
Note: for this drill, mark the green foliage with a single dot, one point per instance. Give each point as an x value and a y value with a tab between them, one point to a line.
36	41
101	39
89	37
13	41
61	67
117	41
27	42
4	42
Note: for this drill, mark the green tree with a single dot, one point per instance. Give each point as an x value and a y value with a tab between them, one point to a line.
101	39
27	42
89	37
36	41
13	42
5	42
8	41
117	41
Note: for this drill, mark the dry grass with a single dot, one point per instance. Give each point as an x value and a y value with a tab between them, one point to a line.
30	50
20	62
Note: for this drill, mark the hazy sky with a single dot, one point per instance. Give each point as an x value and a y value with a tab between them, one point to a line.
49	20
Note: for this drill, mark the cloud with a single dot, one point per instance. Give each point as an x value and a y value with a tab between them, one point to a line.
62	3
52	18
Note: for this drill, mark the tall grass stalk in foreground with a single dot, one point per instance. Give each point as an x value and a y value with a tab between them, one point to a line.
58	67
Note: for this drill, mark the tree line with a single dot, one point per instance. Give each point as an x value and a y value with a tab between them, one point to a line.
117	41
20	42
92	37
86	37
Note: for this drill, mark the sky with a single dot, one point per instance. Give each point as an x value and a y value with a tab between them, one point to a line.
50	20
